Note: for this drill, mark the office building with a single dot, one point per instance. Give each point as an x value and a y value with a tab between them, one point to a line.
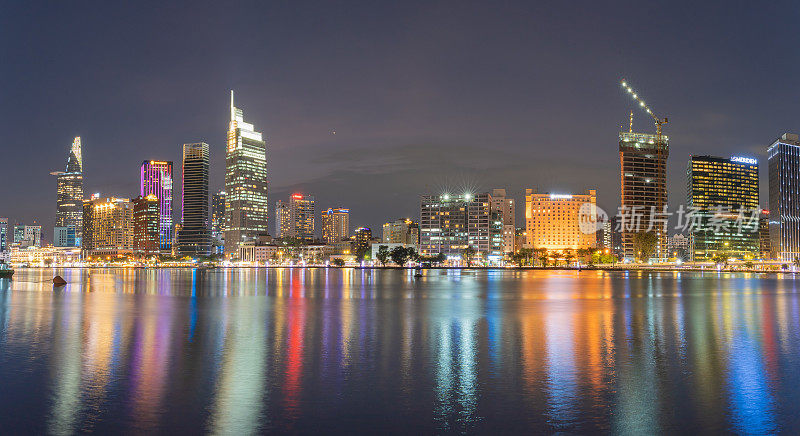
718	190
451	223
643	175
784	203
194	239
27	236
66	236
335	225
295	218
553	221
69	194
217	222
146	225
156	179
108	224
4	235
507	210
245	183
401	231
362	240
765	244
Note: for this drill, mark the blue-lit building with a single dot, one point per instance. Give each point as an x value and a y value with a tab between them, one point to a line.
784	196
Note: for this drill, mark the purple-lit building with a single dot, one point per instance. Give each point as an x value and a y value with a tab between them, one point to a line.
156	179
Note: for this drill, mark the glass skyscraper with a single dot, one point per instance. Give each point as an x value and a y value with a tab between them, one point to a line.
194	238
69	193
245	183
784	202
156	179
719	189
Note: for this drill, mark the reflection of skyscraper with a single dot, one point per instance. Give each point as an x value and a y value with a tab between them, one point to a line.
194	238
156	179
69	194
245	183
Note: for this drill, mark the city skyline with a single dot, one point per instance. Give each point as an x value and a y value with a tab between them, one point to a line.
380	137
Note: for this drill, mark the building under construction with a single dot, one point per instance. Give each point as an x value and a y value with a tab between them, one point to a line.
643	179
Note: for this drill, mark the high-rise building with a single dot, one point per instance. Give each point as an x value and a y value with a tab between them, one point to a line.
362	240
784	203
245	183
146	225
724	195
401	231
505	207
764	242
156	179
295	219
217	222
643	175
335	225
451	223
553	221
65	236
108	224
194	238
69	194
3	234
19	234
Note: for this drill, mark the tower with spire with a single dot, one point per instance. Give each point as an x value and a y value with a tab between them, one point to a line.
69	199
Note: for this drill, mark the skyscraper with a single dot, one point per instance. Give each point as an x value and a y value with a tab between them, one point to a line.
718	189
217	221
245	183
194	238
784	203
295	219
3	234
505	207
335	225
69	193
156	179
146	228
643	175
362	239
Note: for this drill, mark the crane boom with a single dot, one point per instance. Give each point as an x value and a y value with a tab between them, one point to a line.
659	121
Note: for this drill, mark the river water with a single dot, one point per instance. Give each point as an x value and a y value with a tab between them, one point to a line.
240	351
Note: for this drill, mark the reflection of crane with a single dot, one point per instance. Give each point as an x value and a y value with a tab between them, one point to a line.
659	121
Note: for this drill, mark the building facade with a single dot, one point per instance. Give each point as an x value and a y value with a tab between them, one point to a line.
362	241
194	238
723	194
401	231
69	193
146	225
784	203
66	236
335	225
108	224
643	176
246	208
507	210
295	218
765	244
451	223
553	221
156	179
217	222
3	234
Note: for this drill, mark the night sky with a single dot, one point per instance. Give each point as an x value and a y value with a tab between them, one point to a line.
423	96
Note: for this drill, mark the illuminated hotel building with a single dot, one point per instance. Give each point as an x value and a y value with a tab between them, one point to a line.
784	202
553	221
335	225
108	224
451	223
146	228
156	179
69	193
643	177
718	188
194	238
505	207
295	219
245	183
401	231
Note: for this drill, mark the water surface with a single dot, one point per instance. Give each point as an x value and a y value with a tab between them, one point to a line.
239	351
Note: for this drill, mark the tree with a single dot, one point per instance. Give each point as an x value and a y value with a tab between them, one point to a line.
542	255
400	255
721	258
796	262
749	264
468	255
568	256
555	256
338	262
383	254
584	254
644	245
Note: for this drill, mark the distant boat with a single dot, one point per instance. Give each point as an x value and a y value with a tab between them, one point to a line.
5	271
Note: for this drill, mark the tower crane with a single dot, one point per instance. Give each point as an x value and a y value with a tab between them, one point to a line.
659	121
